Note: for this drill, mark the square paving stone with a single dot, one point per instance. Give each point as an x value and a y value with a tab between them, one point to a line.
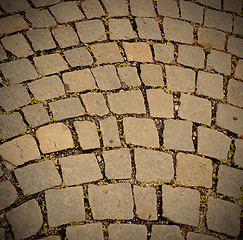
181	205
148	28
91	31
106	77
230	181
127	231
178	31
41	39
166	231
164	52
219	61
210	85
66	108
178	135
180	79
54	137
78	81
13	97
151	75
195	236
118	164
223	217
39	3
87	134
92	8
238	25
78	57
23	71
214	4
84	232
220	20
47	88
26	219
129	76
232	6
121	28
138	52
238	152
235	46
95	103
45	66
116	8
191	11
80	169
20	150
230	118
192	170
168	8
140	131
65	36
239	70
191	56
66	12
8	194
11	125
10	6
64	206
17	45
142	8
160	103
37	177
213	143
112	201
110	134
127	102
36	115
153	166
40	18
107	53
195	109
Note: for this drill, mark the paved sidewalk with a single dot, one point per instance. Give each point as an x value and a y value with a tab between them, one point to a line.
121	119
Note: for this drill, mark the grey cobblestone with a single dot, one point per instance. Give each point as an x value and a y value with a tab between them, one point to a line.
92	9
214	4
39	3
116	8
238	152
235	46
233	6
163	52
151	75
191	11
129	76
13	6
235	93
3	55
239	70
142	8
195	236
8	194
168	8
238	25
166	231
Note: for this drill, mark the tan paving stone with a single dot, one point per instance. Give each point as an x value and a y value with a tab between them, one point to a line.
191	11
168	8
8	194
238	152
239	70
235	92
142	8
116	8
92	8
164	52
166	231
151	75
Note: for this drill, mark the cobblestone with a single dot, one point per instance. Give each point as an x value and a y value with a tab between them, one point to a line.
238	25
214	4
195	236
233	6
235	93
166	231
39	3
92	9
13	6
168	8
142	8
129	76
8	194
191	11
238	152
163	52
116	8
3	55
239	70
151	75
235	46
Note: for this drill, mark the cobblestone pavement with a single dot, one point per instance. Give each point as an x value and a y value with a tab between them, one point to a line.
121	119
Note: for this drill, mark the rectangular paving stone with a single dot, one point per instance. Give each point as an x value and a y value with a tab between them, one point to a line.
178	31
195	109
191	11
142	8
235	46
213	143
238	25
238	152
8	195
47	88
116	8
153	166
54	137
166	231
239	70
45	66
106	77
235	92
110	134
95	103
20	150
129	76
181	205
163	52
112	201
168	8
66	108
78	81
13	6
230	118
178	135
223	217
23	71
92	8
140	131
107	53
87	134
91	31
192	170
191	56
37	177
180	79
127	102
210	85
80	169
13	97
118	164
211	3
151	75
64	206
232	6
160	103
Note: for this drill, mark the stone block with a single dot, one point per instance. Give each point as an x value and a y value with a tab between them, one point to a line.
235	92
239	70
166	231
238	152
151	75
3	54
92	8
238	25
168	8
191	11
10	6
54	137
140	131
211	3
116	8
163	52
8	194
52	237
129	76
142	8
232	6
235	46
112	201
80	169
196	236
39	3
